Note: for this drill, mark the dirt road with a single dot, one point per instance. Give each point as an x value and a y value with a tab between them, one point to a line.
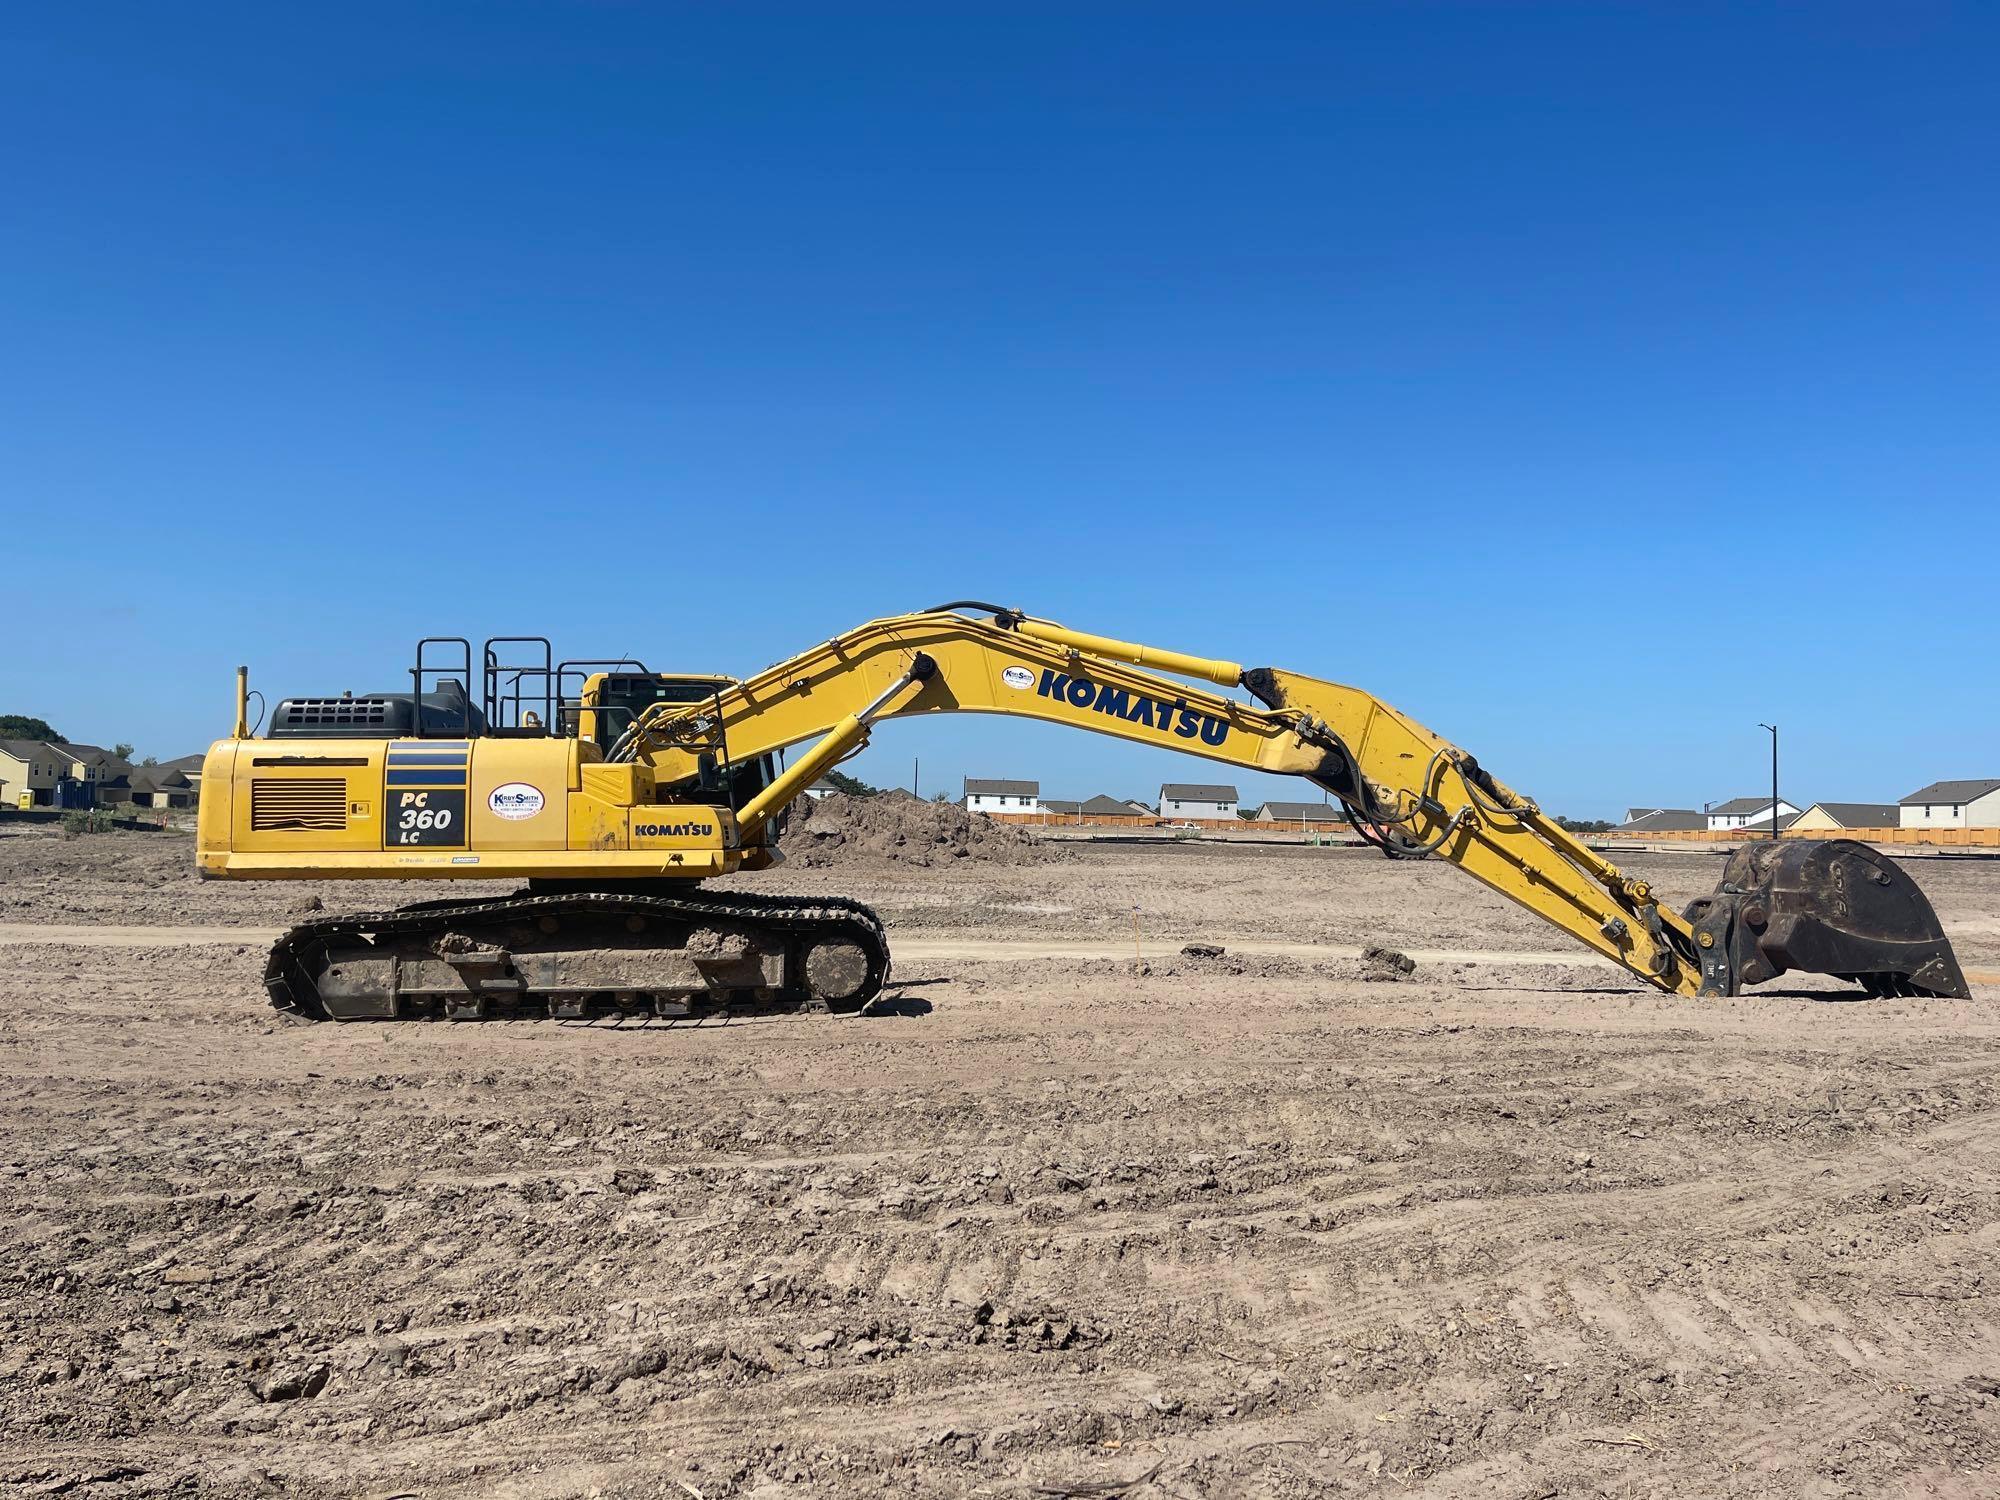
1254	1226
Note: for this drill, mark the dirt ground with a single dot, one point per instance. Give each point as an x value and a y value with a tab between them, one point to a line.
1256	1225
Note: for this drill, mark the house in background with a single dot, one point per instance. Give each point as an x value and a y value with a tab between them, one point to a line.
1001	796
821	789
1300	812
1060	807
1664	820
1102	806
190	767
29	771
105	776
92	762
1748	812
1833	816
161	786
1140	808
54	774
1953	804
1762	822
1189	799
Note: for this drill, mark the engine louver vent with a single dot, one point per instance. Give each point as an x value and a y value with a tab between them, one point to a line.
307	802
331	714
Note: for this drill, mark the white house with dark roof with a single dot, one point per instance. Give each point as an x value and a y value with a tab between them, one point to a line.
989	796
1953	804
1196	799
1749	812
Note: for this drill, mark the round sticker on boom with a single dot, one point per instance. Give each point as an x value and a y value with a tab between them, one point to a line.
1018	677
515	800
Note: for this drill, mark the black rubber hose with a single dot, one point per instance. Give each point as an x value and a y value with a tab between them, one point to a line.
1002	615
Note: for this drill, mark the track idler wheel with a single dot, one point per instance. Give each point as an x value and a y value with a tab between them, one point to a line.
1827	907
836	972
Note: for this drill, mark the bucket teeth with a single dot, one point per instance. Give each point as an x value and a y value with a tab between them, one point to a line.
1830	907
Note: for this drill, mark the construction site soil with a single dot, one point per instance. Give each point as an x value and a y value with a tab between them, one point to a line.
894	826
1280	1221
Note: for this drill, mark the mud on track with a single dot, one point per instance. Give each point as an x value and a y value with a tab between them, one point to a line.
1254	1227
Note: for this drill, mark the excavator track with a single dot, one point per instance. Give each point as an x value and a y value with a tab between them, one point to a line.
584	956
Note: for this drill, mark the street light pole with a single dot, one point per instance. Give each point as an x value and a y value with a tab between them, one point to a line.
1774	776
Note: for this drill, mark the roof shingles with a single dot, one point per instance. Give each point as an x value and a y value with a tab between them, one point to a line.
1859	814
1664	819
1952	793
1102	806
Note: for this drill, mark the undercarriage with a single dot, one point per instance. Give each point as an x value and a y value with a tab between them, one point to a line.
584	955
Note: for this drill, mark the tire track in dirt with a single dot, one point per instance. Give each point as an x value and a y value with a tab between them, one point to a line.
1195	1215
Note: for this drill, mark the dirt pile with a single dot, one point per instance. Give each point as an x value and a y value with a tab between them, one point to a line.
897	828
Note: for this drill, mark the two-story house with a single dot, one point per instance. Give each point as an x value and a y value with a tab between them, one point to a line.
29	771
104	773
1184	800
1953	804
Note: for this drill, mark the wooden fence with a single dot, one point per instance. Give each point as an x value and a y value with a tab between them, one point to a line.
1943	838
1149	820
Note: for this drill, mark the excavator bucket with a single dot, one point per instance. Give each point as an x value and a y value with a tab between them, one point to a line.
1827	907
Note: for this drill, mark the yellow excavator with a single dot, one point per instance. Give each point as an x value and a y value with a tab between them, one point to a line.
610	791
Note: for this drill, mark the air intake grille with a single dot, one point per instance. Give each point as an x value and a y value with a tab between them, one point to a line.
333	713
308	802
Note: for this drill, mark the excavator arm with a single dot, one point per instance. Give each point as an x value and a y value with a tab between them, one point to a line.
1407	790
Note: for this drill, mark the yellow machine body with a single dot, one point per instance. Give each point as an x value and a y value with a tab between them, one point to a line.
416	809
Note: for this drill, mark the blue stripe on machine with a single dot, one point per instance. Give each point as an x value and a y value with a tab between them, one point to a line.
442	777
425	760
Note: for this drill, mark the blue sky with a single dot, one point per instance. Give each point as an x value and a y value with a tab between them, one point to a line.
1590	381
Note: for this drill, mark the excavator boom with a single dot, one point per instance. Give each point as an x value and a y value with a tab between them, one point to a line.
1406	789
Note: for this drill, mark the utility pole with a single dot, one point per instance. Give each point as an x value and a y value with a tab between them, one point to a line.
1774	781
916	765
